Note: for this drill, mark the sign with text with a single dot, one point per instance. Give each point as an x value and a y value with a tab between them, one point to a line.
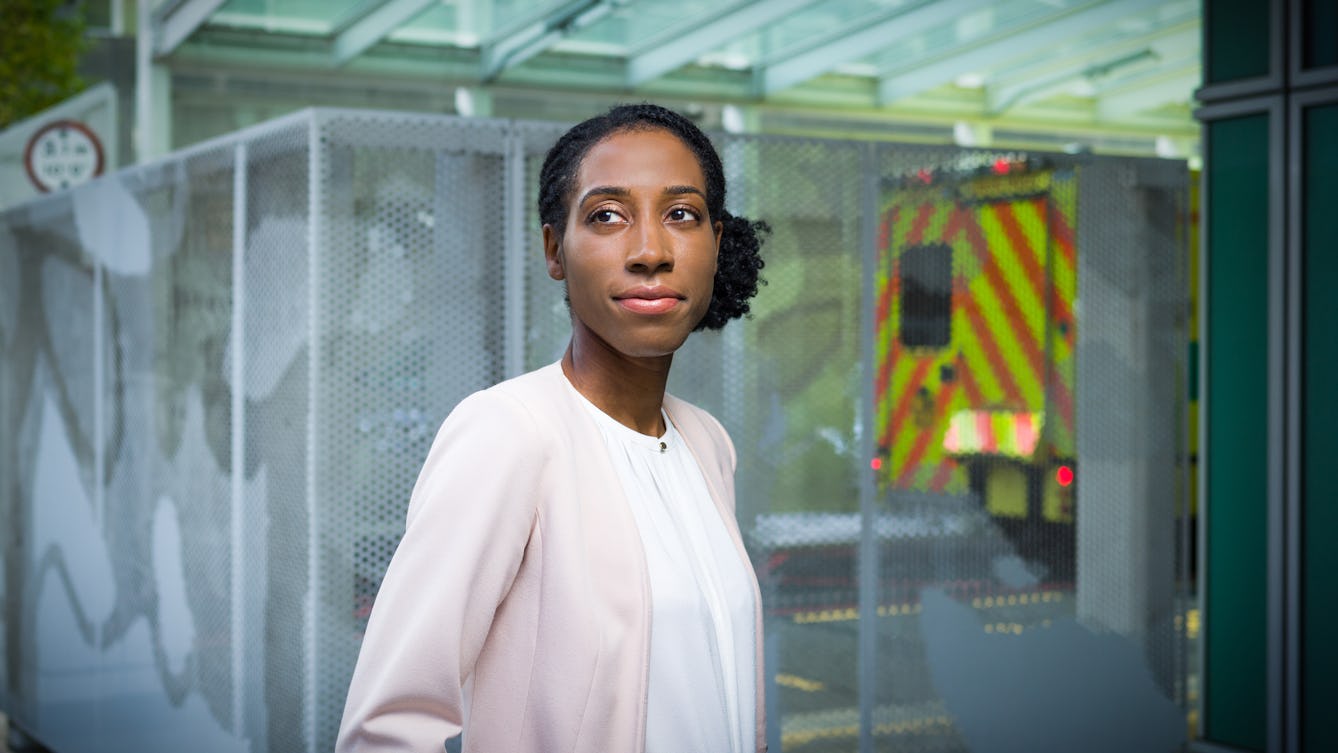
62	147
63	154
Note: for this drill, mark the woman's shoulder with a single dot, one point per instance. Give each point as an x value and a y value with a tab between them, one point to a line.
524	404
538	389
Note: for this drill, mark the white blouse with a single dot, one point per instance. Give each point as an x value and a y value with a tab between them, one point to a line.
702	694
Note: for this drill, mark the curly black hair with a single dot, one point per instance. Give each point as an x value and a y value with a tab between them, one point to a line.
740	261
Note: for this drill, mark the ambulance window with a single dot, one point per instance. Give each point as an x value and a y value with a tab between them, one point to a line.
926	295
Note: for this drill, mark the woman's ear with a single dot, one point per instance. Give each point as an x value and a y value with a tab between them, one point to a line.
553	253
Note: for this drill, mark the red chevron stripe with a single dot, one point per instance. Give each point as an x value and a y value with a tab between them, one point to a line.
1012	311
885	301
885	228
922	217
1062	396
904	401
943	475
1063	237
1064	401
969	384
884	243
926	435
885	371
992	354
1062	232
1031	265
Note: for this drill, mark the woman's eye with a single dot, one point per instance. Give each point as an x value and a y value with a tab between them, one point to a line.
682	214
604	216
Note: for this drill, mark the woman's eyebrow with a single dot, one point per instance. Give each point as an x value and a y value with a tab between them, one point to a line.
682	190
621	192
604	191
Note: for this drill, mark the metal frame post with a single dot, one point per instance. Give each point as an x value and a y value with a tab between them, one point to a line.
513	255
238	375
868	543
315	166
1275	596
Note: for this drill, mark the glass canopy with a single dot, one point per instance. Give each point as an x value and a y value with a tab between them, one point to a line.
1118	65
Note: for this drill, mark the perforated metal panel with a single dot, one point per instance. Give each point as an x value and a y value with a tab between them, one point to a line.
410	317
50	451
547	319
276	407
223	372
169	429
793	380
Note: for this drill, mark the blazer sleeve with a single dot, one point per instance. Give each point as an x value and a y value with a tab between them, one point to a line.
470	518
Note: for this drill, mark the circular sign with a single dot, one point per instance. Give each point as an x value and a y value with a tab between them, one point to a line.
62	154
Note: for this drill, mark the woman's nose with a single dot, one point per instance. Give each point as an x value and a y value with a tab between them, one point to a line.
652	250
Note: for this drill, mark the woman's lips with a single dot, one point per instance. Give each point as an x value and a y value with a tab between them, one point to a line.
649	299
648	305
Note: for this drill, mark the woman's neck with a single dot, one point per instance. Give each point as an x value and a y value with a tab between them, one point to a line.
629	390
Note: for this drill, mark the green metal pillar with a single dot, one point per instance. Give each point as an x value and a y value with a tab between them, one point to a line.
1269	501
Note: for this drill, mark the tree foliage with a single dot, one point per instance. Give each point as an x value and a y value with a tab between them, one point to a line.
40	45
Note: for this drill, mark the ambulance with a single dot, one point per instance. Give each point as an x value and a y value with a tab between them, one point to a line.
974	340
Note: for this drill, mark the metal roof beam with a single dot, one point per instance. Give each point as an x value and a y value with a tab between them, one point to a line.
684	43
376	25
863	37
1004	44
1040	79
174	21
527	40
1001	99
1075	54
1140	93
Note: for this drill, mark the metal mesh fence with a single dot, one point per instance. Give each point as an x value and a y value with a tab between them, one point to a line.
411	238
547	322
955	405
51	451
271	383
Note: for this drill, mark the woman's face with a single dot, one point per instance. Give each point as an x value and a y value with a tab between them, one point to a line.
639	251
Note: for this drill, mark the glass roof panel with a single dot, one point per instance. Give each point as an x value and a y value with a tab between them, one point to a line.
1015	66
443	23
608	32
799	31
1168	30
292	16
815	22
648	19
510	16
970	29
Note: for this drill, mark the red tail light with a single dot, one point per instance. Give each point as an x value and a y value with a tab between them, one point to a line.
1064	475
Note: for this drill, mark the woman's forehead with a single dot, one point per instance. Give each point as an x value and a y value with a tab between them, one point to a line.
640	159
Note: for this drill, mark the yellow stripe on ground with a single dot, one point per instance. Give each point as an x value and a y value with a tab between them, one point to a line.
799	683
807	727
908	608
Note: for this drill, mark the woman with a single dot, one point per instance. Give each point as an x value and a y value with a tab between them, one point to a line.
571	577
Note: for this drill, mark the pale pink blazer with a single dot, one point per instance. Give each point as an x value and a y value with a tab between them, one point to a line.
521	575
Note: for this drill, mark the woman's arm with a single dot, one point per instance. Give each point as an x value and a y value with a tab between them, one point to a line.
470	517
